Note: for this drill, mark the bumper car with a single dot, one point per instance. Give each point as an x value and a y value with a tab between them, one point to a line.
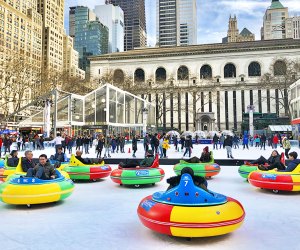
206	169
79	171
20	190
276	181
189	211
139	175
246	169
1	163
7	170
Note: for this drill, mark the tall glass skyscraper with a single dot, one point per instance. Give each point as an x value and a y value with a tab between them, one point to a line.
112	17
90	35
176	22
135	22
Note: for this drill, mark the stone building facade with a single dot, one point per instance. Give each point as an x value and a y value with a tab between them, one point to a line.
203	86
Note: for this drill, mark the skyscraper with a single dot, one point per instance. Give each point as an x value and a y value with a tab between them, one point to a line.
293	27
135	22
90	37
176	22
274	23
53	33
113	18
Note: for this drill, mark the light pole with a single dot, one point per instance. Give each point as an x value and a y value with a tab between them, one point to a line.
251	109
145	117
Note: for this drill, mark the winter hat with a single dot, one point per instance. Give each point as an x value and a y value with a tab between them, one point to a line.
205	149
187	170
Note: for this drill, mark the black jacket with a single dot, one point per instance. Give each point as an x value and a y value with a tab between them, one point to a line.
26	164
188	143
174	181
228	142
13	162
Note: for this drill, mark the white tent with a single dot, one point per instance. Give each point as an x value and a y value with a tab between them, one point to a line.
200	133
186	133
172	133
227	132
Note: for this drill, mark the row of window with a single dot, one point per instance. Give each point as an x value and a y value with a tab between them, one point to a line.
254	70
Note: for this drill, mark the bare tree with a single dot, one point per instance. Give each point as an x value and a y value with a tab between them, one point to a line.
17	80
283	73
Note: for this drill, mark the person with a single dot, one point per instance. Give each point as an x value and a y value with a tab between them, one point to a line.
107	146
263	140
228	146
188	146
134	145
113	144
100	146
146	162
161	141
175	141
205	157
27	161
86	161
146	143
86	144
7	143
79	142
60	156
58	141
245	141
122	144
165	146
215	141
182	142
43	170
287	146
294	162
273	161
257	141
13	159
275	141
221	140
235	141
199	181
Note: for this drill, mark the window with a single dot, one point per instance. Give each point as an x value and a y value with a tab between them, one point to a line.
118	76
205	72
279	68
229	71
183	73
160	75
139	76
254	69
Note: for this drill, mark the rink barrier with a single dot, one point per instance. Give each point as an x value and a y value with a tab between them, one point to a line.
173	161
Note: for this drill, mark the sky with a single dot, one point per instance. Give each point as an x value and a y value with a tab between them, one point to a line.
212	16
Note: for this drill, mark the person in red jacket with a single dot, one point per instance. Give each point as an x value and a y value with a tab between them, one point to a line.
1	142
275	141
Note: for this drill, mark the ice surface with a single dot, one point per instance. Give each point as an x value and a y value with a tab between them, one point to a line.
102	215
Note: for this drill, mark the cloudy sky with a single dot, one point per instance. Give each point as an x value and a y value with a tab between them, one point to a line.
212	16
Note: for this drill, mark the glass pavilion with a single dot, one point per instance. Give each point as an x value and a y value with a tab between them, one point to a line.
107	109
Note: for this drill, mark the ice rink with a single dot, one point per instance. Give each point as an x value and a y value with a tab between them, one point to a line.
102	215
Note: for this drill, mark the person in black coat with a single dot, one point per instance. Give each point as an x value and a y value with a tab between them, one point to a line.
188	144
273	161
27	161
228	146
134	145
13	160
199	181
216	141
205	157
100	146
263	140
79	142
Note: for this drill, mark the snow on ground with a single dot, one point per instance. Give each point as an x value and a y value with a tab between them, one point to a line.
102	215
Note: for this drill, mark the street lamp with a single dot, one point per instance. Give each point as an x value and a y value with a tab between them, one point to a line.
145	117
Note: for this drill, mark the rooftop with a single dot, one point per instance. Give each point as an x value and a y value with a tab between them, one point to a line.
276	4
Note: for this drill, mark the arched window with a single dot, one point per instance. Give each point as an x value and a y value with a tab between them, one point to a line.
139	76
254	69
229	70
160	75
118	76
205	72
183	73
279	68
